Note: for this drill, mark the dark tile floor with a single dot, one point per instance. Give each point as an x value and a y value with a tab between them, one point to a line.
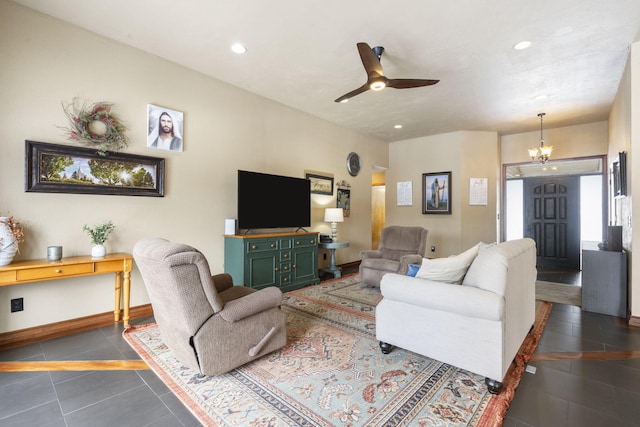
582	392
560	393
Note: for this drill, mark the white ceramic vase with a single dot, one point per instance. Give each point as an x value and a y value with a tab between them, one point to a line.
98	251
8	242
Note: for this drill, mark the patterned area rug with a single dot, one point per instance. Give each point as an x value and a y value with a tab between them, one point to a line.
332	372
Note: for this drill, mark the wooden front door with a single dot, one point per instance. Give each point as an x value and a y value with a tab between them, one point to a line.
552	219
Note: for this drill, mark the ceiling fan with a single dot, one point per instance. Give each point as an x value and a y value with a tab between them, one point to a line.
376	80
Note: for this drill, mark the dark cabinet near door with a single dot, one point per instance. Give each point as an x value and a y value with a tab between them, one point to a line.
604	281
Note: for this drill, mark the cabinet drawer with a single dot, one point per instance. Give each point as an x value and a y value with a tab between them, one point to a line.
284	280
300	242
285	267
261	245
285	243
54	271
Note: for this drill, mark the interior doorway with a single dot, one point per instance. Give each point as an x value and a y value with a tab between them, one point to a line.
378	194
560	205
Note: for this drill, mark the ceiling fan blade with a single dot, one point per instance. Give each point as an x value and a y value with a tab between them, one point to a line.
369	59
409	83
363	88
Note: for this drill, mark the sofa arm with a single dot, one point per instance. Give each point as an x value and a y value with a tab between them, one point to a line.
457	299
251	304
370	254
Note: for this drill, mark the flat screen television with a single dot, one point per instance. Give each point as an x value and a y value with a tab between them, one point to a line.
273	201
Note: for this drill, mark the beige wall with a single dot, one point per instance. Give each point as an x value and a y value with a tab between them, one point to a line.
590	139
624	135
466	155
634	155
46	62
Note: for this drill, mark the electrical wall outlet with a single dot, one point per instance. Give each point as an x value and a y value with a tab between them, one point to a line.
17	304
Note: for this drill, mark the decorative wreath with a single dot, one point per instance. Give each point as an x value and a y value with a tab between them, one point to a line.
96	126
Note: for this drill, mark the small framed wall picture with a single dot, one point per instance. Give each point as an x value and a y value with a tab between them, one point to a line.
320	184
436	193
165	128
343	200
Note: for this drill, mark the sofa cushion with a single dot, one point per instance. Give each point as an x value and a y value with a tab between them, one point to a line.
448	270
489	270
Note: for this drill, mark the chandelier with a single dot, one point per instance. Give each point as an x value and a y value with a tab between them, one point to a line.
541	154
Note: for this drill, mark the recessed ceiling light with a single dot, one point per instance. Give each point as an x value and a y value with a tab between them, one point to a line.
522	45
238	48
398	126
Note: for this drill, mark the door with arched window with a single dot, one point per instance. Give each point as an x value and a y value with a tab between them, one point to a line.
552	219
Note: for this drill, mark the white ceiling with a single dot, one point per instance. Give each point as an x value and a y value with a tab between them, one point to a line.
303	54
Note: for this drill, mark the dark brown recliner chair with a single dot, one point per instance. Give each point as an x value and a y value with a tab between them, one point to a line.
210	325
399	247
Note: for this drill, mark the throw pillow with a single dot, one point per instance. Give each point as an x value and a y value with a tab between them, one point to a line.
448	270
413	270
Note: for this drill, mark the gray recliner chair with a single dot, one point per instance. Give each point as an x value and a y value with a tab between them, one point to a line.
210	325
399	247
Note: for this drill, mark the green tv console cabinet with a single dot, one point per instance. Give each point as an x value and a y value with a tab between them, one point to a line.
286	260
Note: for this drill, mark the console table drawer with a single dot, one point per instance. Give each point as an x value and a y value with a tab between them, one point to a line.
54	271
7	277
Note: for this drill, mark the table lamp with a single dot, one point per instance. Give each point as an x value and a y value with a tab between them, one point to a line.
333	215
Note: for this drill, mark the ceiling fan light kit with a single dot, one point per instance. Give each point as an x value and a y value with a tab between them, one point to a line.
541	154
376	80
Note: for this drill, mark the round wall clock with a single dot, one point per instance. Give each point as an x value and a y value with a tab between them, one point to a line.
353	164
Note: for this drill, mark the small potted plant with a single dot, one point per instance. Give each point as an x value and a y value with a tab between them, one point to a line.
11	235
99	235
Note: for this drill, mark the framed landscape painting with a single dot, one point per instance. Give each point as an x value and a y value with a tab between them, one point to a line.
436	193
51	168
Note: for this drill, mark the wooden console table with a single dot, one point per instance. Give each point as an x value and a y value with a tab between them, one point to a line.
40	270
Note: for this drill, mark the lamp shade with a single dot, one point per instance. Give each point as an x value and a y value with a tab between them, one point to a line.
333	215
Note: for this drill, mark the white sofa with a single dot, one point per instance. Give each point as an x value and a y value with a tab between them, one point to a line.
478	325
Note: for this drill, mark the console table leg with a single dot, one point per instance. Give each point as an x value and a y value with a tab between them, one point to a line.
116	310
126	290
127	297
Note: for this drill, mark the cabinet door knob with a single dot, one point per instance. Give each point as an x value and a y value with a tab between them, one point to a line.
273	245
286	256
297	243
294	266
286	279
286	268
312	241
277	269
58	271
254	247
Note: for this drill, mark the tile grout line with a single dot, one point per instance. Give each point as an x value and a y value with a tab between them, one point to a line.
586	355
